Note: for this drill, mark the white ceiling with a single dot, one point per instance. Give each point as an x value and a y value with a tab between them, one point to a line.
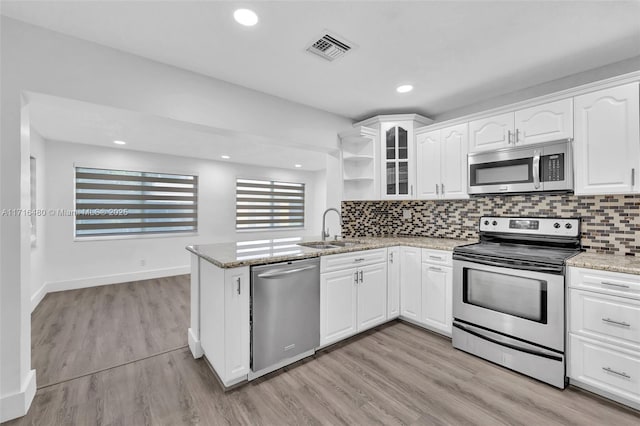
454	53
67	120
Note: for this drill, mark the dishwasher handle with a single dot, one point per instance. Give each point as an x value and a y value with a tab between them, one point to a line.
279	273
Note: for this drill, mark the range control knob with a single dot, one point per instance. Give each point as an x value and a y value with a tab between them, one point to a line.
494	223
556	225
486	222
568	226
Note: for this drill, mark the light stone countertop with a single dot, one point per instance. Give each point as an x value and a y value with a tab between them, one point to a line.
606	262
260	252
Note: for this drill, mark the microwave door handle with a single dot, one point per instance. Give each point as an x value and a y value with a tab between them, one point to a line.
536	169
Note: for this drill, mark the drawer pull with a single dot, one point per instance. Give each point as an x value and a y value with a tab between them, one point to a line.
360	259
614	284
432	268
610	321
435	257
623	374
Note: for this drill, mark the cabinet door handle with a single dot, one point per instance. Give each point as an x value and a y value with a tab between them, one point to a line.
411	186
442	188
610	370
238	284
437	189
517	137
614	284
391	257
355	277
508	136
633	177
361	277
610	321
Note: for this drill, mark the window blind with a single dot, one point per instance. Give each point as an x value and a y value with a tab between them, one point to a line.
269	204
124	202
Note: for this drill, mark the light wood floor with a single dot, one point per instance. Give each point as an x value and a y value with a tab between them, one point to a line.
396	374
77	332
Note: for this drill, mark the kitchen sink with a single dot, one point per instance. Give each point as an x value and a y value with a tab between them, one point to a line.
346	243
323	245
318	245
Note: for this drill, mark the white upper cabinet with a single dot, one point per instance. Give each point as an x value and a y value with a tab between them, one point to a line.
397	164
607	141
491	133
442	163
428	165
453	158
396	148
543	123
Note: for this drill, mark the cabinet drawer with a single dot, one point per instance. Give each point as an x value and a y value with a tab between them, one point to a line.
335	262
617	284
612	318
440	257
606	368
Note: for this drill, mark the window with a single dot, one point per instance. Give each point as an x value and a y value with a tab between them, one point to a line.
122	202
263	204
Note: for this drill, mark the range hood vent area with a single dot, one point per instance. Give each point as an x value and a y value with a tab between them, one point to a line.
329	46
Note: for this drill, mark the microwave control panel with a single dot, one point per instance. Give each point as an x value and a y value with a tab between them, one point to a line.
552	168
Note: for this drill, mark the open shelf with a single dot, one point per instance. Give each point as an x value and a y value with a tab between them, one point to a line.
358	148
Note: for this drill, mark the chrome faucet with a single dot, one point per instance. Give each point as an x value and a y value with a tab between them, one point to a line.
325	232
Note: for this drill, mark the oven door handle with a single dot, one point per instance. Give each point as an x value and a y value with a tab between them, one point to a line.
536	169
508	345
557	270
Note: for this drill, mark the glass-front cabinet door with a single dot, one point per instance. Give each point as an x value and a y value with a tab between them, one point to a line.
397	157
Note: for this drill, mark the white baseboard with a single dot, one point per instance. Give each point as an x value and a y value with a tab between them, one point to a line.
194	345
17	404
38	296
50	287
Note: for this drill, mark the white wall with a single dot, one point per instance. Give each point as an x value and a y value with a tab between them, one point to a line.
38	256
73	264
37	60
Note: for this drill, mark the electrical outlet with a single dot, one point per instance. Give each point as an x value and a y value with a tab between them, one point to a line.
406	214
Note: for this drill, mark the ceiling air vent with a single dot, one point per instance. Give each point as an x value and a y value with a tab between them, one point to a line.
329	47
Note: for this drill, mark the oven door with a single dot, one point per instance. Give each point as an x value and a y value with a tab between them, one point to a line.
524	304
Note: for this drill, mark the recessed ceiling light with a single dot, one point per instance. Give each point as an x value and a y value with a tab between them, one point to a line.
297	166
225	157
404	88
245	17
120	142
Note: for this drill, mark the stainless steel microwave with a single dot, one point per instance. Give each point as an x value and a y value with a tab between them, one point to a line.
532	168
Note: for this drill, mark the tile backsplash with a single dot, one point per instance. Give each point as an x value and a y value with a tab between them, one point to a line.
610	223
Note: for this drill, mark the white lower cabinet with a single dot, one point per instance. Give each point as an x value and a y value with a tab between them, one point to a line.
352	299
436	297
372	296
224	327
338	304
393	283
410	291
606	368
604	333
426	279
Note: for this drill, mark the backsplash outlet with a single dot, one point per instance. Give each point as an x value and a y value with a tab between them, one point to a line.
610	223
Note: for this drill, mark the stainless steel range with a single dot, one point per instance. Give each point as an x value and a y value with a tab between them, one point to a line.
509	294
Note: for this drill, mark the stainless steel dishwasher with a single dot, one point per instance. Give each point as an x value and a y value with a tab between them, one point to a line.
285	314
